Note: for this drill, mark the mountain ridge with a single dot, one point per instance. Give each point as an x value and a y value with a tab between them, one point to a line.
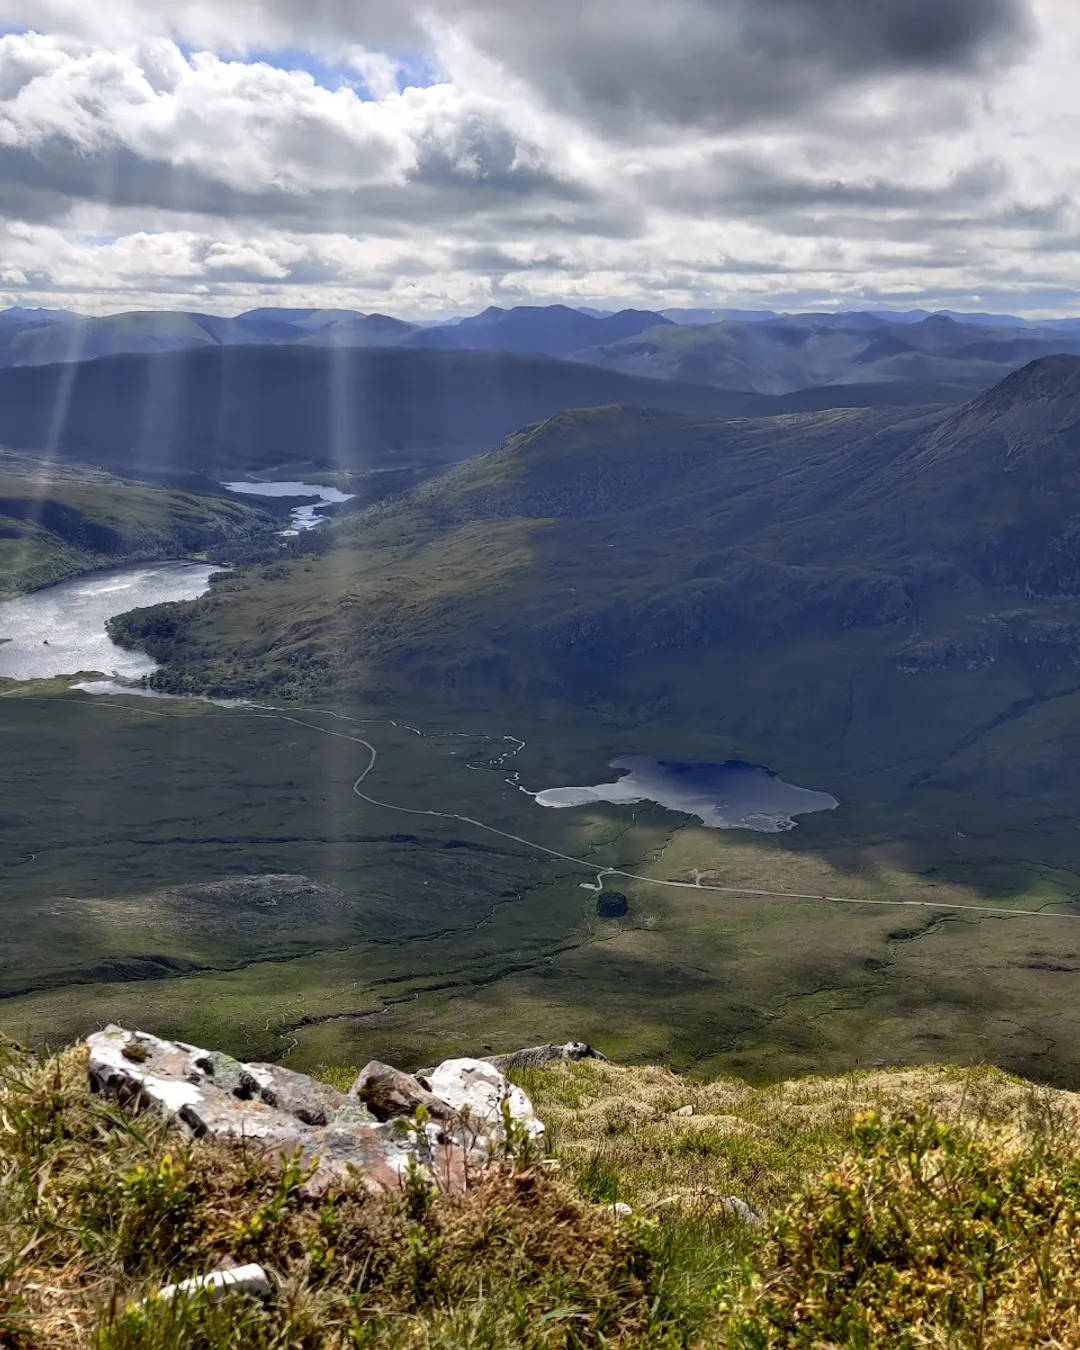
230	410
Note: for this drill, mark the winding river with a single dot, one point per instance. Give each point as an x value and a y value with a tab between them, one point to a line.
303	517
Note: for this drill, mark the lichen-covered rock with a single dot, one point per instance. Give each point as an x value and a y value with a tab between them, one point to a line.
390	1094
282	1111
480	1092
298	1095
538	1055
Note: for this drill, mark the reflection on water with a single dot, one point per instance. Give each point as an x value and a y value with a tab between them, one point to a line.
728	796
61	630
303	517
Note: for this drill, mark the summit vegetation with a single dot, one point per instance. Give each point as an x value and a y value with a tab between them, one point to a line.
929	1208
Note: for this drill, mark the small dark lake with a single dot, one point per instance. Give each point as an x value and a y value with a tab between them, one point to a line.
733	795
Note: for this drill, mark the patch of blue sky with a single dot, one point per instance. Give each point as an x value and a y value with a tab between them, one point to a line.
329	74
417	72
413	69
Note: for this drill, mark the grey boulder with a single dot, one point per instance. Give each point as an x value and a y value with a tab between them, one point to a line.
282	1111
390	1094
538	1055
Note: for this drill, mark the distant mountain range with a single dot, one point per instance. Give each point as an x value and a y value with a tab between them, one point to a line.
783	354
551	330
228	410
743	351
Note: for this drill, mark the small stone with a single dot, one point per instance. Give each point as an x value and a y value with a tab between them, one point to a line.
218	1285
620	1210
390	1094
684	1111
730	1206
735	1208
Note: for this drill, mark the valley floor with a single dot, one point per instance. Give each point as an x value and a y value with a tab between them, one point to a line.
211	873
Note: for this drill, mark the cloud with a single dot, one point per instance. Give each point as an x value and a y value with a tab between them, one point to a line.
726	63
147	127
700	62
433	155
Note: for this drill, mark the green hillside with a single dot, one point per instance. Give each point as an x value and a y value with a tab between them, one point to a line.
57	527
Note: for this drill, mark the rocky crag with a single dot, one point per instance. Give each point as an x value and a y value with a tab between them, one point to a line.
446	1125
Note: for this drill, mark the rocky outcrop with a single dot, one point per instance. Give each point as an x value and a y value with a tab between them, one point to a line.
539	1055
390	1094
371	1134
481	1096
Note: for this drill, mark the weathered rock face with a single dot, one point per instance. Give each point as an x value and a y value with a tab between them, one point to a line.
480	1094
539	1055
281	1111
390	1094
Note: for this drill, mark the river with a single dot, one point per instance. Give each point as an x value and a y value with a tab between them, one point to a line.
303	517
61	630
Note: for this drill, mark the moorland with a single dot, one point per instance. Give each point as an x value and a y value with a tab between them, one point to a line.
875	602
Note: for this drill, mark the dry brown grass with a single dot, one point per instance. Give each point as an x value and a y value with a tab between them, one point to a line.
616	1133
98	1210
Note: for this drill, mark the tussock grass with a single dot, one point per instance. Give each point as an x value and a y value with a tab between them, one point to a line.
617	1135
918	1208
931	1207
98	1210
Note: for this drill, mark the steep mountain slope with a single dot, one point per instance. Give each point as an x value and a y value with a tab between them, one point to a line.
550	330
889	605
777	356
241	409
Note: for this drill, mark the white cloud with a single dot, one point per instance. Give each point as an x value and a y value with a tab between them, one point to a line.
135	172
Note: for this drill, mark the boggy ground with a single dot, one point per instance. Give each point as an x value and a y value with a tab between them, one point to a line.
209	873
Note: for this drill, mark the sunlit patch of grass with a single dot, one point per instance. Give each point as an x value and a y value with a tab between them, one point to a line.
925	1234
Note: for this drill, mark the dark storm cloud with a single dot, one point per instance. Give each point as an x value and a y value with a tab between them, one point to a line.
748	186
477	175
728	62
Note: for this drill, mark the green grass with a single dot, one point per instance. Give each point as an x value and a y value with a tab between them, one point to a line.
57	523
426	938
931	1207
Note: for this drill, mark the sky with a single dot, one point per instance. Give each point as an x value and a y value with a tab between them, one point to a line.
430	157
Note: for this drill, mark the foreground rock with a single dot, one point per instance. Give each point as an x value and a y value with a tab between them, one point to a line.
483	1099
237	1280
210	1094
390	1094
